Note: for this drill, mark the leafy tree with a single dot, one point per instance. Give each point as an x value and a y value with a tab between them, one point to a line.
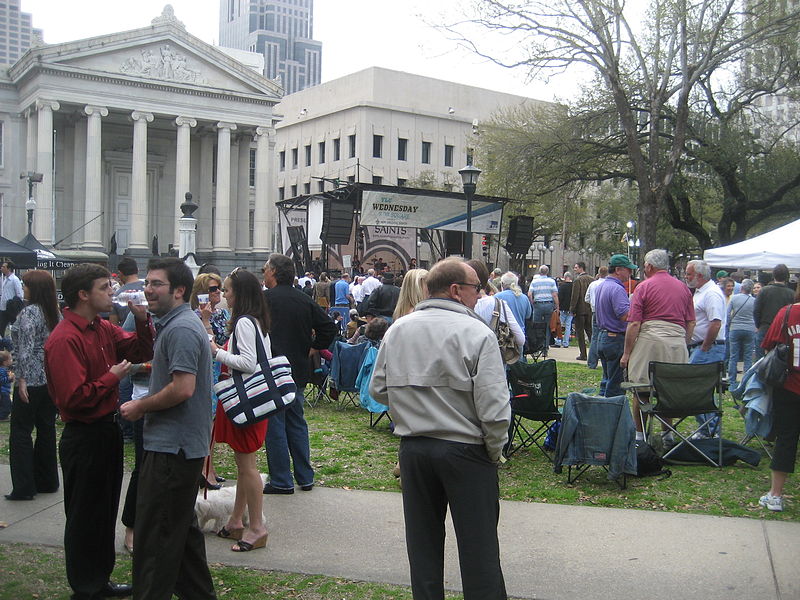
651	71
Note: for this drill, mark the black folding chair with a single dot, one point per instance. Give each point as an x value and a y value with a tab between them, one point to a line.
679	391
534	397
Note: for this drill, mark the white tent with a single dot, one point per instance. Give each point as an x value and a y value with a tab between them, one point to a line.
781	245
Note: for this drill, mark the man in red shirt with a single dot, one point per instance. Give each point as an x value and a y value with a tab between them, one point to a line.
660	324
85	358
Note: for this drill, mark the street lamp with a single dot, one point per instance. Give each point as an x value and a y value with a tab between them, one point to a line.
469	180
30	203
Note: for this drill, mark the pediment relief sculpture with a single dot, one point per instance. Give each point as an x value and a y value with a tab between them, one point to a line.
166	64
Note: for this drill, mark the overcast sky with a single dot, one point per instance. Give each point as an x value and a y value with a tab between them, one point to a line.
355	34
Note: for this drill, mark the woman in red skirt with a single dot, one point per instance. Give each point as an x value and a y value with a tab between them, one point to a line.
242	291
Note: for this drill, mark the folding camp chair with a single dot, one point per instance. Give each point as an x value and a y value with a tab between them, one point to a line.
537	339
534	397
345	312
597	431
318	378
376	410
345	366
754	409
679	391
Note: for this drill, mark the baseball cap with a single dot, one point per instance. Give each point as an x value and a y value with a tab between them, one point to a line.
721	273
621	260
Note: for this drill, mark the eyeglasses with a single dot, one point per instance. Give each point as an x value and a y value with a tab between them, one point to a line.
214	288
236	270
477	286
155	284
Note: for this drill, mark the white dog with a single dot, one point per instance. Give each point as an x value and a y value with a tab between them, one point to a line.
213	512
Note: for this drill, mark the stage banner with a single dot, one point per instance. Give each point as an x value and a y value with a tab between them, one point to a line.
293	217
390	209
395	246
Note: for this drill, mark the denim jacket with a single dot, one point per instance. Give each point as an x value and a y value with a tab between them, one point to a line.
756	397
597	431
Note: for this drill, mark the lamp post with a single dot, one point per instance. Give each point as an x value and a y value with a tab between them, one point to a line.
30	203
591	259
469	180
551	249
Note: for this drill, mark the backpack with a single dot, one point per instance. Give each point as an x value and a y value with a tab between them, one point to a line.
505	338
648	462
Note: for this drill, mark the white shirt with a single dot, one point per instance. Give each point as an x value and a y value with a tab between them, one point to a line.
370	285
246	359
709	305
591	292
358	292
11	286
484	308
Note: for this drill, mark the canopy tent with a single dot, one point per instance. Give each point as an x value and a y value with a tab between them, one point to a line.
781	245
45	259
22	257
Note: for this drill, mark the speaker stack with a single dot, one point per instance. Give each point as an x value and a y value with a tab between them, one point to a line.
337	220
520	235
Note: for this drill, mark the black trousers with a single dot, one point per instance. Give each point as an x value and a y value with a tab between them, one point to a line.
583	325
91	459
34	468
437	474
786	428
129	508
170	552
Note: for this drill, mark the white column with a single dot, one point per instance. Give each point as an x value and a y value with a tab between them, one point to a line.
222	220
182	171
43	217
242	229
139	204
263	225
30	154
78	184
94	176
206	192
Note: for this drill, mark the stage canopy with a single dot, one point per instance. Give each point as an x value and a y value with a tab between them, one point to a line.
22	257
781	245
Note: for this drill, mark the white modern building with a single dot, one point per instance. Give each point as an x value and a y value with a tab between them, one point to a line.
121	126
281	31
381	126
16	32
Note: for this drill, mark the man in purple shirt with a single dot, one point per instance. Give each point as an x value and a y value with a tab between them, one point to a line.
612	306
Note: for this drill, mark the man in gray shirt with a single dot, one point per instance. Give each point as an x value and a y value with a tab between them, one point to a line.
170	552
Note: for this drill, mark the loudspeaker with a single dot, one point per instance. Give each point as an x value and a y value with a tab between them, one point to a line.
520	235
454	242
297	235
337	221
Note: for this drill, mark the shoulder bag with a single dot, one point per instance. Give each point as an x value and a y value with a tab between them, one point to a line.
774	367
250	399
505	337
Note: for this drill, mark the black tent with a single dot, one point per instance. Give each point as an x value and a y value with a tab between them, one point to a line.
45	258
22	257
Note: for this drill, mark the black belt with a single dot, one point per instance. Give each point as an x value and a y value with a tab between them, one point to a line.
696	344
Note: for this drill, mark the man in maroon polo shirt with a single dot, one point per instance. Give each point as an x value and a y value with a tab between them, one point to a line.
85	358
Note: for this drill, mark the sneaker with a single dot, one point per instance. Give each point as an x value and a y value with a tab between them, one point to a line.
699	436
773	503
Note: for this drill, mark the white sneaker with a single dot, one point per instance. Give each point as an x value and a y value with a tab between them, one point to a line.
773	503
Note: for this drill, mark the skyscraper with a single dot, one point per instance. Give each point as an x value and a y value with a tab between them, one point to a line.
16	32
281	31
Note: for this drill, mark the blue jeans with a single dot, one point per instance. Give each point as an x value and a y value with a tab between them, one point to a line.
610	348
758	350
566	323
287	434
715	354
542	312
741	344
591	361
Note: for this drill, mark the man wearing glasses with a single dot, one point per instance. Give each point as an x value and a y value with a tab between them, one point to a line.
440	372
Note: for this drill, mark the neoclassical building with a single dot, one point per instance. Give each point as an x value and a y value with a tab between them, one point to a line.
121	126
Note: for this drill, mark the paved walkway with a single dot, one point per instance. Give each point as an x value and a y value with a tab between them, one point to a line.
550	552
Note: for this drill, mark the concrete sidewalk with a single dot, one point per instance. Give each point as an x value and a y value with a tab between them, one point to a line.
549	552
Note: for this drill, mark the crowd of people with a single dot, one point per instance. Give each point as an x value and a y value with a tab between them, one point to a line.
113	364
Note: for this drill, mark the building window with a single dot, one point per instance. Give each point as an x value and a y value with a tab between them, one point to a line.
320	186
402	149
294	191
337	149
351	140
377	146
308	155
321	146
448	155
251	225
307	187
351	179
377	180
294	158
426	153
282	160
281	193
401	182
252	168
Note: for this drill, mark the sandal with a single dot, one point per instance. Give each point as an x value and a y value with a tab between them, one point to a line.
242	546
234	533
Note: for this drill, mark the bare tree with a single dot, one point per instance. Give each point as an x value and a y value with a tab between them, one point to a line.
650	66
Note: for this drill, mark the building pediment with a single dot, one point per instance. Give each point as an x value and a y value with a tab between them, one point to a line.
163	54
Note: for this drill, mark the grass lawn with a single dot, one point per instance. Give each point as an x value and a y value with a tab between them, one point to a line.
347	453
